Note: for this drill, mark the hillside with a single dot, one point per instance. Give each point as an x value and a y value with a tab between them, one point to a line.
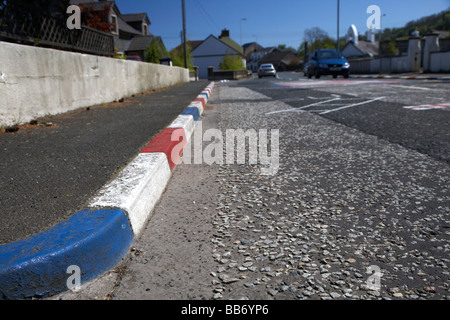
439	21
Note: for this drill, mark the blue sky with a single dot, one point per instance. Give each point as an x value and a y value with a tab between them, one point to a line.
271	22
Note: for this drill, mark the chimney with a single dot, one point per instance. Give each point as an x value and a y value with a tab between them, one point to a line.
371	36
225	33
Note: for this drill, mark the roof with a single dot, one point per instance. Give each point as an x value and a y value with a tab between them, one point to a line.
228	41
192	45
139	43
251	47
125	27
281	56
365	47
96	6
136	17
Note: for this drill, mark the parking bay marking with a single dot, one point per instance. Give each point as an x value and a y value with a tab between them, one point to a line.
304	107
352	105
322	112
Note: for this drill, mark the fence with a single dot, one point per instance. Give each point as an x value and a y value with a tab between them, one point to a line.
227	74
23	26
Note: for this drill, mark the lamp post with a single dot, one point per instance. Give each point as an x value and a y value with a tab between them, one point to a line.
243	19
381	26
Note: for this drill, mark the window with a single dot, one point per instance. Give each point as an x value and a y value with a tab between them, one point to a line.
115	24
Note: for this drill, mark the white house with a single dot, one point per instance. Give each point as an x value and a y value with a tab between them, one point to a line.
253	61
358	48
212	51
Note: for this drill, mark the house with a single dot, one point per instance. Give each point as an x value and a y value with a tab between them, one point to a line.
282	60
249	48
355	48
211	51
130	31
361	49
254	58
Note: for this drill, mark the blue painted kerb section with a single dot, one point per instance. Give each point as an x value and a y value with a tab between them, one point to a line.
205	93
95	241
192	111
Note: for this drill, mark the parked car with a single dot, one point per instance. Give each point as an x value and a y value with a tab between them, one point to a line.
328	62
267	70
134	58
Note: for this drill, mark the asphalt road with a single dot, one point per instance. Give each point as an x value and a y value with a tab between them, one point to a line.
48	173
348	215
376	107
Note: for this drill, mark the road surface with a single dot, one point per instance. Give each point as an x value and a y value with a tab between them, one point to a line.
358	207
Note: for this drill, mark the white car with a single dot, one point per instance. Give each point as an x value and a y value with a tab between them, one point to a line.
267	70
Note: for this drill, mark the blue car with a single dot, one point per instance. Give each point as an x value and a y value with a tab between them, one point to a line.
327	62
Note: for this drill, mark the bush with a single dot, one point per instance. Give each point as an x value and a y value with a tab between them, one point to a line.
232	62
155	51
177	56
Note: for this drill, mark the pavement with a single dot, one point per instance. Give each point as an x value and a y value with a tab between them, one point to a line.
72	201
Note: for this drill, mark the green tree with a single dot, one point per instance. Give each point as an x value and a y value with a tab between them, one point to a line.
155	51
316	39
232	62
177	56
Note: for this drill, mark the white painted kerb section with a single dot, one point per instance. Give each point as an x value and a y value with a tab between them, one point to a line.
136	189
198	105
186	122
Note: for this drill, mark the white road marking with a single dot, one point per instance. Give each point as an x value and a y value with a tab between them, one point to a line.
412	87
304	107
352	105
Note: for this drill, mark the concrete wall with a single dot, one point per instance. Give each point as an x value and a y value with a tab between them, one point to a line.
36	82
214	75
408	63
440	61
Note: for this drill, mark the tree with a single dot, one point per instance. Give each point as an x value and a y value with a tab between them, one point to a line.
285	47
155	51
96	19
315	34
232	62
317	38
177	56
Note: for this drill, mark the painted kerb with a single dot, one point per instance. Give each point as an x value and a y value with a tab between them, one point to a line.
95	240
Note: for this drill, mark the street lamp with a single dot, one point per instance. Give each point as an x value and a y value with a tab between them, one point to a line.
381	26
243	19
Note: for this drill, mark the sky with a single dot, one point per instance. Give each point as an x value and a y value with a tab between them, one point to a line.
271	22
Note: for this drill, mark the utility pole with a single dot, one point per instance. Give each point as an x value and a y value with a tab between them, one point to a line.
243	19
184	35
338	14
